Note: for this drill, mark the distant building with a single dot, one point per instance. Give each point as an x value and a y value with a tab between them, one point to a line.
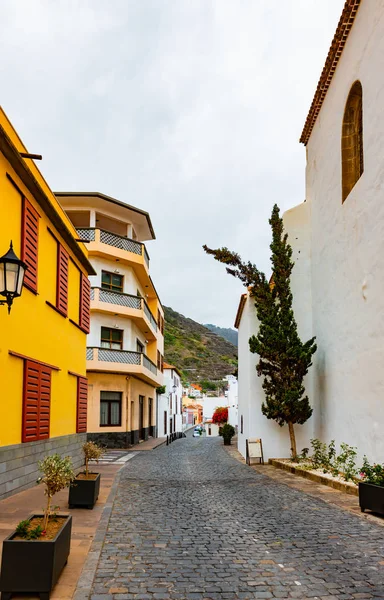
211	429
170	403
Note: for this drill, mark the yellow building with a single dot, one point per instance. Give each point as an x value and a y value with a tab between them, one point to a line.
125	346
43	339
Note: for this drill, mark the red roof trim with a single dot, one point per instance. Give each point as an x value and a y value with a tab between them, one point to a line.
344	27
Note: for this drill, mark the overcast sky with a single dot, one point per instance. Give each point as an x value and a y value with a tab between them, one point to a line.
189	109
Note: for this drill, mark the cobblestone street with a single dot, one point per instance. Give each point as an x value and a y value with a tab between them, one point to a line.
190	522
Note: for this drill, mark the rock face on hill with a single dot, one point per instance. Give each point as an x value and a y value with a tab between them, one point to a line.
198	352
227	333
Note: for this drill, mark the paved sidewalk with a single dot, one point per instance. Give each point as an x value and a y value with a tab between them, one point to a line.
190	522
150	444
84	526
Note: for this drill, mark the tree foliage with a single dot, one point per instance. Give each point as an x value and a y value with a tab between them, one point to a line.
57	474
284	359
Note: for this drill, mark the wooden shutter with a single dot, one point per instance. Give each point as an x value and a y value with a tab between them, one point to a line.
82	402
36	401
85	299
29	243
62	280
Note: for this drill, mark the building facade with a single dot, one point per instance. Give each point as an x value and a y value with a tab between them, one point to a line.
338	250
125	345
43	339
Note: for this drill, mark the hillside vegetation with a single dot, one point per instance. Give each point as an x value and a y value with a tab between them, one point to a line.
195	350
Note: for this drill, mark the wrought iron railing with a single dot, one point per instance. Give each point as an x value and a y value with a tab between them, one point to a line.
119	298
127	357
119	241
150	316
149	364
146	256
86	234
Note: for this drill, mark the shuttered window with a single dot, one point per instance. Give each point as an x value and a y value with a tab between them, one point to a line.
85	299
62	280
82	401
36	401
29	243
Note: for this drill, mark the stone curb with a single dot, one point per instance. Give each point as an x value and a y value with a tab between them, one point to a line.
342	486
84	584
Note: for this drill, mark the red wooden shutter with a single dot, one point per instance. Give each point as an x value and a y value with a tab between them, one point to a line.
29	243
36	401
85	300
62	280
82	402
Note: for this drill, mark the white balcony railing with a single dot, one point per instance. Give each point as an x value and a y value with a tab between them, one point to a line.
120	299
87	234
127	357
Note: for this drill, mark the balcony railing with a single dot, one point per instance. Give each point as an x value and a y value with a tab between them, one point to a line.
150	316
121	356
113	239
127	300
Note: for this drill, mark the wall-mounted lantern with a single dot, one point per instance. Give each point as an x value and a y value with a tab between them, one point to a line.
12	271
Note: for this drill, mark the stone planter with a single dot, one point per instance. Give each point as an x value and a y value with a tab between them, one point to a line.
34	566
371	497
84	492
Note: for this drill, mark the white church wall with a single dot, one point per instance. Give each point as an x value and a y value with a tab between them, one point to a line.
348	250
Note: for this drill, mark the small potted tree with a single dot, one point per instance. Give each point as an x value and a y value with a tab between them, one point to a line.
371	487
84	490
227	431
36	552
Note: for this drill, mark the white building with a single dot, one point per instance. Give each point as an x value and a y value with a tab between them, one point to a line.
170	409
338	244
232	399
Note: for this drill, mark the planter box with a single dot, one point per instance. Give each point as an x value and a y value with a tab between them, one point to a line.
371	497
33	566
84	492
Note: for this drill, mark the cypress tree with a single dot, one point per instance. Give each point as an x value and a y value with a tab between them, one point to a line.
284	359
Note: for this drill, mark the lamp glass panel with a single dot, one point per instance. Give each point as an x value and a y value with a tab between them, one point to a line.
11	270
2	279
20	281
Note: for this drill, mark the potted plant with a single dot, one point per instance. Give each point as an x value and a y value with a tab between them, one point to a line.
227	431
36	552
371	487
84	490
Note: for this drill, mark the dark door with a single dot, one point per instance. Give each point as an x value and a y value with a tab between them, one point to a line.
141	417
150	423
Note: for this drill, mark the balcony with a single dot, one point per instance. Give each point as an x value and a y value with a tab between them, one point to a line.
123	361
127	305
98	238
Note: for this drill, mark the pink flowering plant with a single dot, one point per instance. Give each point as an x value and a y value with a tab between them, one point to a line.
372	473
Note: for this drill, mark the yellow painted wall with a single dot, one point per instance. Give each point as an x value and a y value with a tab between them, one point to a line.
131	388
33	328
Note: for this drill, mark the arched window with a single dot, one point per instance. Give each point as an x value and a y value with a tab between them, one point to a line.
352	158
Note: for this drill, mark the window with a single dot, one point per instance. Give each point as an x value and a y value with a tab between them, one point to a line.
111	338
110	409
150	410
139	346
138	294
111	281
352	158
29	243
158	360
241	424
165	422
170	403
36	401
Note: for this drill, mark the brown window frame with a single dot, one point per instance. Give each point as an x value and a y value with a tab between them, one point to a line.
109	402
111	287
109	340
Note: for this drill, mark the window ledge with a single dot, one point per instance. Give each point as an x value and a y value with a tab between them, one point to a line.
56	309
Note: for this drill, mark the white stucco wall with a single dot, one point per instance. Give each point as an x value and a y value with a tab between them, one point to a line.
232	399
348	250
161	408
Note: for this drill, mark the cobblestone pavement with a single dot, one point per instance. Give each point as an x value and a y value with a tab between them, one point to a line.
190	522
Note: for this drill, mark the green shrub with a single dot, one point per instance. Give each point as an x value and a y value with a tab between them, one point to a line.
372	473
227	431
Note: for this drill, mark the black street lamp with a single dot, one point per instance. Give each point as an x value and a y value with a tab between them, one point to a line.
12	271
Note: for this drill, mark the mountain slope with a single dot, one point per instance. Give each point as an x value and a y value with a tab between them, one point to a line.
195	350
228	334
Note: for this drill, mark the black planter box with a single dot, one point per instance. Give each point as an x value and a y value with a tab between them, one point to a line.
33	566
371	497
84	492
